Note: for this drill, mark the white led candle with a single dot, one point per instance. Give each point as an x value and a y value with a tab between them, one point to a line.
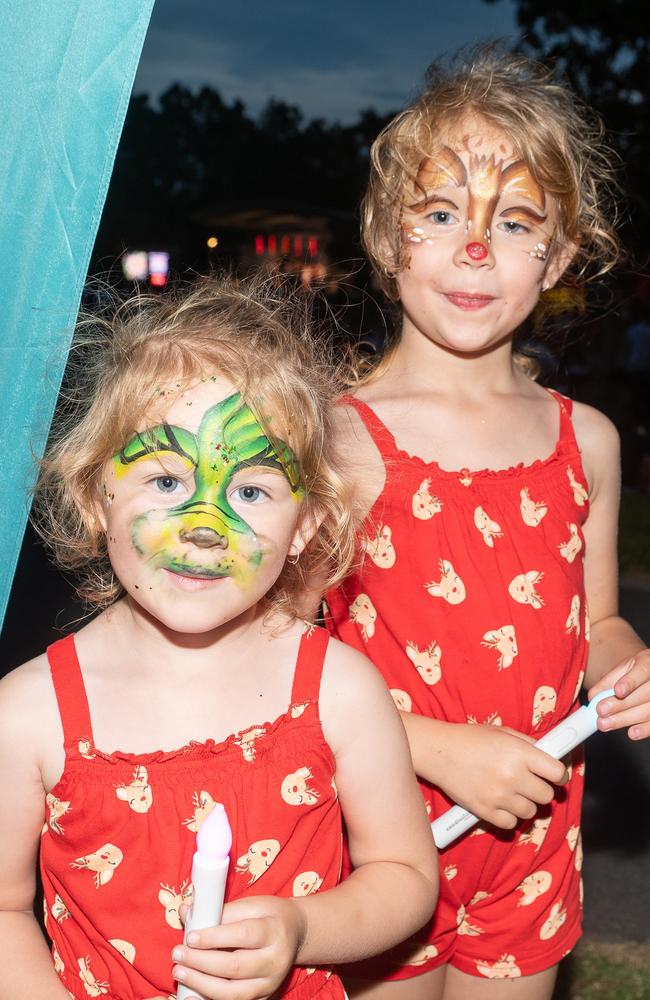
562	738
209	873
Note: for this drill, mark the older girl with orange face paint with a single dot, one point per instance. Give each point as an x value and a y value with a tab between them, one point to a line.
486	595
197	493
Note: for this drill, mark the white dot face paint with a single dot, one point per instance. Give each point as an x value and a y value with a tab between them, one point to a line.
477	230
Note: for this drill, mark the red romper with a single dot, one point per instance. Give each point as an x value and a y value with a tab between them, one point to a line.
470	601
120	832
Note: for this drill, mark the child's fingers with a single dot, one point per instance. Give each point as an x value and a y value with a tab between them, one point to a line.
548	768
635	676
251	933
239	964
612	678
213	988
635	713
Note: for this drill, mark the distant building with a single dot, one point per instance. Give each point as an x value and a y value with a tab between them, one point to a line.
301	239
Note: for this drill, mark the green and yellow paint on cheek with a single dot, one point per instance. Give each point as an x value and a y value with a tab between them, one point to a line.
203	536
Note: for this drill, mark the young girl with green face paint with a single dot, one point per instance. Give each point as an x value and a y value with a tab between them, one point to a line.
491	513
197	493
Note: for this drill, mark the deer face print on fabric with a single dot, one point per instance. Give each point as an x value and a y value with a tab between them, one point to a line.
201	509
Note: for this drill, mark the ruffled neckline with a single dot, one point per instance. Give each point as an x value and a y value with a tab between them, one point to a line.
562	450
565	447
195	748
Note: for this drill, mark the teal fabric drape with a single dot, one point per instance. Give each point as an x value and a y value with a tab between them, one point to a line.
67	70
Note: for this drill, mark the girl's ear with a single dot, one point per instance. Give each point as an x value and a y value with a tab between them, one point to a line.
302	536
94	512
98	516
560	259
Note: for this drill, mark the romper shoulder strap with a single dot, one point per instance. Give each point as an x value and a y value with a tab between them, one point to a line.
567	433
309	665
70	691
378	431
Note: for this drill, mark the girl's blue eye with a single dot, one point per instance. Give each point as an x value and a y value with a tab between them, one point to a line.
250	494
166	484
510	226
441	218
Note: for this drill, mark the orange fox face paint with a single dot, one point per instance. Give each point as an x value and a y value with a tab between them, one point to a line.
490	181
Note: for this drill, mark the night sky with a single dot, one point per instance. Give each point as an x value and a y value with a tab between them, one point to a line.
331	58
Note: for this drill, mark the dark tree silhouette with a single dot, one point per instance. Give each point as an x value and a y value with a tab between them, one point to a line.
193	151
603	47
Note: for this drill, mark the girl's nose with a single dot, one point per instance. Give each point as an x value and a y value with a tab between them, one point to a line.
474	254
204	538
477	251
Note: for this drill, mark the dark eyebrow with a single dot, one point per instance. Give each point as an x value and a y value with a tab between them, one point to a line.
429	199
525	211
265	460
154	442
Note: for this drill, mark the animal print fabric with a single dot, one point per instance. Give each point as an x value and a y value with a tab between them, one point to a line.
120	831
469	598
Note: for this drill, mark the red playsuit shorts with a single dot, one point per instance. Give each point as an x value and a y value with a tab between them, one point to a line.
510	902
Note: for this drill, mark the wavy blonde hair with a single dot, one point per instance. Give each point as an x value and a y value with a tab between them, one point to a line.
560	140
257	334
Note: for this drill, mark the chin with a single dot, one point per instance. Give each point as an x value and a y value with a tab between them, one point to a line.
193	623
469	344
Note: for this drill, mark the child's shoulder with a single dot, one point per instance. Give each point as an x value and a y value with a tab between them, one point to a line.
349	675
346	659
592	426
28	708
599	444
354	696
29	679
358	454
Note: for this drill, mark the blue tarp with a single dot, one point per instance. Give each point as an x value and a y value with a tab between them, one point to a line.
66	73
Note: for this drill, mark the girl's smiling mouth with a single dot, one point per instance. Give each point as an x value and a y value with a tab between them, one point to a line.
468	300
187	579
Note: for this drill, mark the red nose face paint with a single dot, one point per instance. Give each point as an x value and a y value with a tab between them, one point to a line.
477	251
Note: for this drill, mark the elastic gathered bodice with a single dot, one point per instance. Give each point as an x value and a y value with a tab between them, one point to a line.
120	832
469	594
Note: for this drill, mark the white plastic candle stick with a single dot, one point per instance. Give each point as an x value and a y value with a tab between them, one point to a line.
557	742
209	872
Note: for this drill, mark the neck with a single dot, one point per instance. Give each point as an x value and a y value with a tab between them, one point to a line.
420	363
167	651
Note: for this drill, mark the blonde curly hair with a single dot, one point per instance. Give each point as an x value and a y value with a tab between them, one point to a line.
560	140
257	334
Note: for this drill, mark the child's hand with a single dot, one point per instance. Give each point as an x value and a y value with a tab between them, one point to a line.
631	706
248	955
498	774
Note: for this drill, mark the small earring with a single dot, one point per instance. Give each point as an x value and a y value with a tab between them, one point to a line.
295	559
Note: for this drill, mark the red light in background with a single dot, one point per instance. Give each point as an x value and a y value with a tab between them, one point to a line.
272	244
259	245
297	245
285	245
158	280
312	245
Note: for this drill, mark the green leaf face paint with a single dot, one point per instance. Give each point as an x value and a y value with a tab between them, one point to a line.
203	536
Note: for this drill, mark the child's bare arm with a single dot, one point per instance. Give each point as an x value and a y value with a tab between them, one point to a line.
493	771
28	969
617	656
392	891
